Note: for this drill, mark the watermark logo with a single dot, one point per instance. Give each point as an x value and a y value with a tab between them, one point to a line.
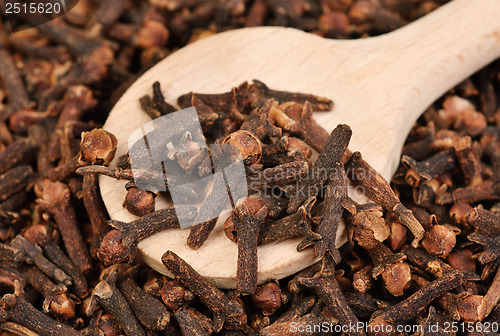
33	12
171	153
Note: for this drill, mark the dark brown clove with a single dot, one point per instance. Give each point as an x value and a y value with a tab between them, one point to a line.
300	304
324	166
377	189
484	221
18	153
384	322
96	147
226	311
491	246
336	193
307	129
120	244
14	180
76	100
149	311
248	144
247	226
488	190
14	254
320	315
43	237
105	16
35	253
469	308
462	260
259	93
395	273
282	174
18	97
109	297
362	280
326	286
16	309
139	202
174	295
431	264
439	240
267	297
261	125
192	322
199	233
56	200
95	210
469	161
294	225
492	296
56	298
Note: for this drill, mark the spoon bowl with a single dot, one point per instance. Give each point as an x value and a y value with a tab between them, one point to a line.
379	87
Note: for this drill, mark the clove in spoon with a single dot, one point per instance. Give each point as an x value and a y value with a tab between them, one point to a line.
379	86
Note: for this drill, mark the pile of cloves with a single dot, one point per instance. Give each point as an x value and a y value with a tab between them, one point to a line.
423	256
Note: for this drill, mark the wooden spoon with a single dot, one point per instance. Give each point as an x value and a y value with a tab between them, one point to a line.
379	86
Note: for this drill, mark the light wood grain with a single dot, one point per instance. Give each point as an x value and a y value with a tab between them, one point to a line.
379	87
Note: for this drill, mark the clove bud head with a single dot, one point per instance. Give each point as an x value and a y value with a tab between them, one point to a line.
113	251
439	241
174	295
268	297
97	147
248	144
139	202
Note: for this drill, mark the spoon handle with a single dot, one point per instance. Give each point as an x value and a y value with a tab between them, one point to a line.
443	48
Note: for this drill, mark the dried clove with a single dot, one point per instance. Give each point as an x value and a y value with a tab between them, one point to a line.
56	200
76	100
192	322
247	226
336	193
429	168
384	321
320	315
324	166
16	309
439	240
56	297
18	153
261	125
18	97
469	308
95	210
267	297
307	129
395	272
174	295
469	161
362	280
35	253
294	225
431	264
379	191
109	297
138	202
13	254
484	221
41	236
14	181
227	311
121	243
149	311
326	286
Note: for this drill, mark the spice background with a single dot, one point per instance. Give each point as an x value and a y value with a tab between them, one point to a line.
62	78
